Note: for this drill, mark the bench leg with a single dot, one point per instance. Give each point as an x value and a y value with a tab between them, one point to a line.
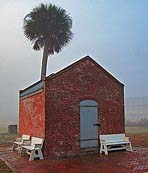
13	147
34	155
105	149
21	150
130	146
40	154
101	149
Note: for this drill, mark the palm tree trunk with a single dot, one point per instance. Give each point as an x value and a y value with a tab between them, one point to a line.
44	63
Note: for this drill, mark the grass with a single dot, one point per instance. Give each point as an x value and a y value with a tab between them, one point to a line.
136	130
3	130
138	135
7	138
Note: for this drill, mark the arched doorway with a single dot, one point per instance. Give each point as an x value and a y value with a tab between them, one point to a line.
88	123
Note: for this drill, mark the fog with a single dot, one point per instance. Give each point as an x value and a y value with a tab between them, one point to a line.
114	33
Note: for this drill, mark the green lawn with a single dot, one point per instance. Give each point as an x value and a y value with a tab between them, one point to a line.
3	129
7	138
136	130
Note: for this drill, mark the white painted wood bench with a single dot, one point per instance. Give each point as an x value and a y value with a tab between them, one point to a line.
34	149
112	142
20	141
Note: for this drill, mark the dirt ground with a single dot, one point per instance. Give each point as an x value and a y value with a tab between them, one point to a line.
139	139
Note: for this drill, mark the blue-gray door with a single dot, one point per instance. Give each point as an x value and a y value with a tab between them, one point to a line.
88	123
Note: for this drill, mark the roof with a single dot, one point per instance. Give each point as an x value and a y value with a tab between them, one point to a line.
81	61
39	85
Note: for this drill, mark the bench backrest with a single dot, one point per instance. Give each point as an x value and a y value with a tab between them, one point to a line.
35	140
112	137
25	137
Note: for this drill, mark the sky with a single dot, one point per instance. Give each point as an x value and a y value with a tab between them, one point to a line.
113	32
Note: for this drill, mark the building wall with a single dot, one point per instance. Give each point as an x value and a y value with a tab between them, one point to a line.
32	115
63	95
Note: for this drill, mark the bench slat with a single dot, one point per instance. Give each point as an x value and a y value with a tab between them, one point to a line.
118	141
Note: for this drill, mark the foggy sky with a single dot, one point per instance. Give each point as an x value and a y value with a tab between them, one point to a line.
112	32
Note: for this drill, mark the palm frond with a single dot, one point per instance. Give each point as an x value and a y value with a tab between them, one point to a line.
38	44
50	25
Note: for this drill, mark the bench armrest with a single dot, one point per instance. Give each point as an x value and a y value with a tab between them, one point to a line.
18	139
102	141
37	146
26	142
127	139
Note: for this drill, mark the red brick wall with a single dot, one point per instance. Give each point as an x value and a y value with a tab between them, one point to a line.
63	95
32	115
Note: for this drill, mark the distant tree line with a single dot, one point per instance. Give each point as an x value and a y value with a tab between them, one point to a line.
143	122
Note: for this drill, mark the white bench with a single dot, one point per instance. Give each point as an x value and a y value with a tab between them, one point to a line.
34	149
112	142
20	141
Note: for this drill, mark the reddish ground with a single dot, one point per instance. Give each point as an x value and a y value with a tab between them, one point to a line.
116	162
4	168
139	139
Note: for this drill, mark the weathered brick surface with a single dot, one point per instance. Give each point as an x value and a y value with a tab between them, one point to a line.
55	113
32	115
64	91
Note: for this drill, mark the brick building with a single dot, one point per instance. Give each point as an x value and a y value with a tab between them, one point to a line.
71	108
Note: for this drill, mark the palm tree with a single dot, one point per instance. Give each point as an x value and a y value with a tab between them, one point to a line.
48	27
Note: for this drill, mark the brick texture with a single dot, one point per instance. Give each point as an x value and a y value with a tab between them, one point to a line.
82	81
55	113
32	115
